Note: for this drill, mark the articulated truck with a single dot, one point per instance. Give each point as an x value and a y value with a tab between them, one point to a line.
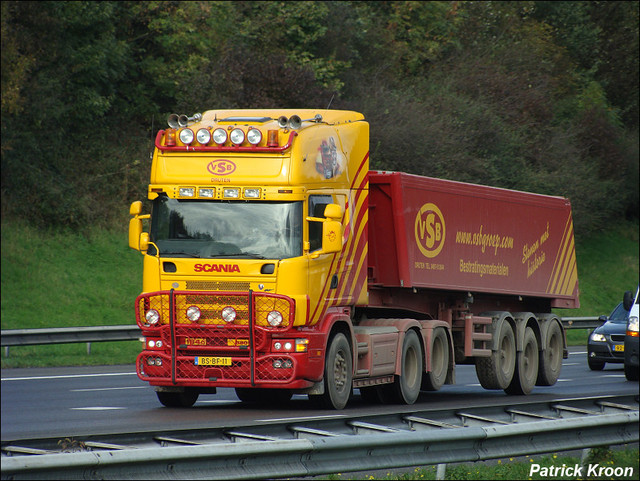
276	263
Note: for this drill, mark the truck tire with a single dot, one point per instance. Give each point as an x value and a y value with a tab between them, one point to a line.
263	396
551	357
439	353
527	360
178	399
496	371
338	374
407	386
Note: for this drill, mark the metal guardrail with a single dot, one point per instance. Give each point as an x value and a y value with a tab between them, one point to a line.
63	335
424	442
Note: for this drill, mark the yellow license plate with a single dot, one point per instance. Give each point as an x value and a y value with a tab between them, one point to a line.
195	341
237	342
212	361
619	348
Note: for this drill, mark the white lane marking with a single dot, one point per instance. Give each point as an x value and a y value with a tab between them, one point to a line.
96	408
302	418
108	388
68	376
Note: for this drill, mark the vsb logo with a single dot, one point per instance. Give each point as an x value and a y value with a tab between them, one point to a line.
221	167
430	230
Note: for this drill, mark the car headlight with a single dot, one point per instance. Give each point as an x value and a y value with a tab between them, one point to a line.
598	337
632	327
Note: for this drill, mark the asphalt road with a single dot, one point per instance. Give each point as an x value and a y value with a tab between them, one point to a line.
77	401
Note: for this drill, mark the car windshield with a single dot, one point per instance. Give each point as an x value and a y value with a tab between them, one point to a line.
619	314
214	229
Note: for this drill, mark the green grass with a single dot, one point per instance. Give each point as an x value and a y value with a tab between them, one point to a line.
511	469
61	279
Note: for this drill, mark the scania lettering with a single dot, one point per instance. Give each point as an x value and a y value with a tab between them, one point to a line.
275	262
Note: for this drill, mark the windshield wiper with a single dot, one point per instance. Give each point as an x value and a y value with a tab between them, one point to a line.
243	254
180	254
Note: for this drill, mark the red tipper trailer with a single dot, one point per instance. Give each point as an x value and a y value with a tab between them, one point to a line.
440	234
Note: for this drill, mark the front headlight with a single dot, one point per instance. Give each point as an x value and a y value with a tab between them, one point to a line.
598	337
274	318
152	316
632	327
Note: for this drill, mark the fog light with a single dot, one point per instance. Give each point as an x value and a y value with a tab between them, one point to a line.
151	361
287	364
277	363
228	314
158	361
193	313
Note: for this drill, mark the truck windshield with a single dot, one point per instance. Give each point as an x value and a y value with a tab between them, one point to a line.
215	229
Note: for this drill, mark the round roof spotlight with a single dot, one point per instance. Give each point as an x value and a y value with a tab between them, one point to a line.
254	136
186	136
237	136
219	136
203	136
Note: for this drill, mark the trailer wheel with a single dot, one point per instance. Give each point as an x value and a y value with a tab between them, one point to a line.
407	385
263	396
178	399
439	352
338	374
496	371
551	357
526	372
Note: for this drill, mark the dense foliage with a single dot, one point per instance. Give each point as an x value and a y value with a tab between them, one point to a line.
536	96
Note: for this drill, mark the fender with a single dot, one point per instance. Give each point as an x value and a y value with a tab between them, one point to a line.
427	333
498	318
545	320
524	320
334	316
403	325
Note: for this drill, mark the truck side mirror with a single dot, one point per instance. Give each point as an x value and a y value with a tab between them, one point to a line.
627	300
138	240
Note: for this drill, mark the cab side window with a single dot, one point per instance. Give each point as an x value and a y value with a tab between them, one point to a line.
317	204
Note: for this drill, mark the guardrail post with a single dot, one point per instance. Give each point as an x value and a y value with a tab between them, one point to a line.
441	471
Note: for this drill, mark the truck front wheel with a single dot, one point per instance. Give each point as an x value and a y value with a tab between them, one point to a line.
338	374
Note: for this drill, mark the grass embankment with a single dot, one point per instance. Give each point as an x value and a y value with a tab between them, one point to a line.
601	464
68	279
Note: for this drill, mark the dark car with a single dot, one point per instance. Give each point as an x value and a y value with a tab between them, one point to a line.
606	343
